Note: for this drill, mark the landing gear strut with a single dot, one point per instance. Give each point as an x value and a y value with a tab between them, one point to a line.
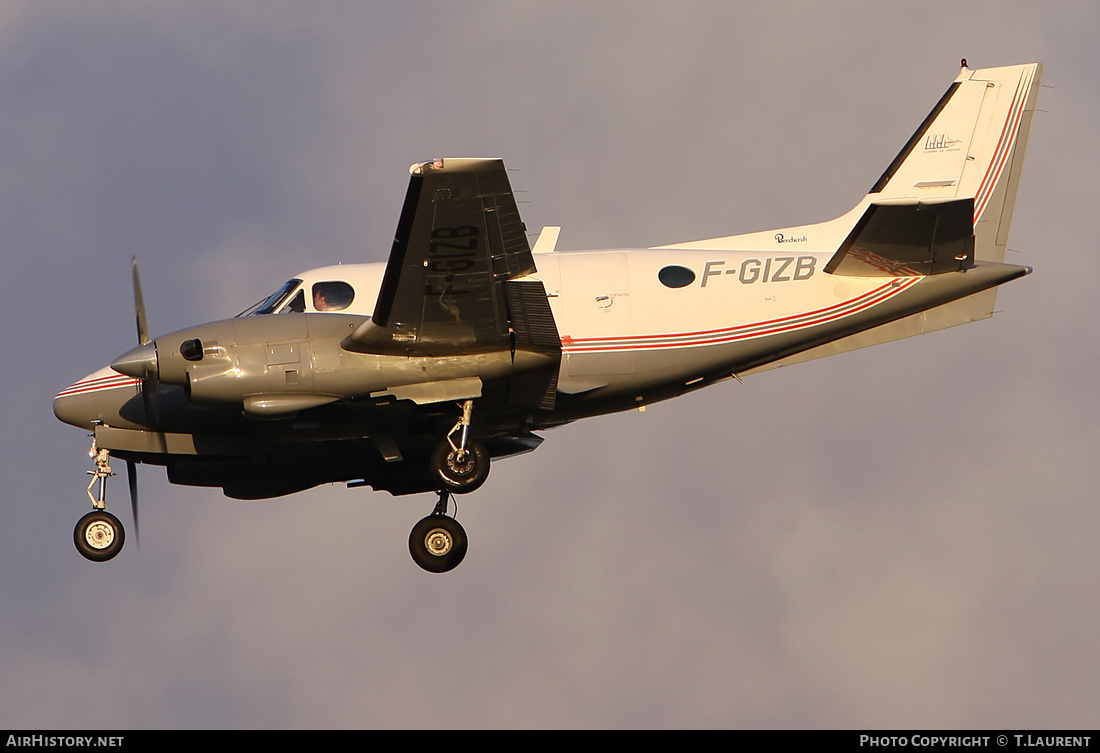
99	535
438	542
463	466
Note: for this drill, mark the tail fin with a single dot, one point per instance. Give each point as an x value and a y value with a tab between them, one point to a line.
965	160
971	146
945	200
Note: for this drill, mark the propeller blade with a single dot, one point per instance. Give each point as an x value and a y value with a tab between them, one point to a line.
131	476
139	305
149	378
149	402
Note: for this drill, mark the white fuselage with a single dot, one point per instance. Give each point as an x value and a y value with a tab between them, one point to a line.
625	329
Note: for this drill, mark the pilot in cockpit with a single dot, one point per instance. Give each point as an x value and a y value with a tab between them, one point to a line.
319	302
332	295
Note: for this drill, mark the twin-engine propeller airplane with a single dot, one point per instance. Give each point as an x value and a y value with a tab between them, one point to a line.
411	376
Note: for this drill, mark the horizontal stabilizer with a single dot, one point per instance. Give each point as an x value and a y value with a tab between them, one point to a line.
956	299
908	238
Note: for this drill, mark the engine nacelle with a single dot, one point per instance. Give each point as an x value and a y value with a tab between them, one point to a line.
231	360
277	365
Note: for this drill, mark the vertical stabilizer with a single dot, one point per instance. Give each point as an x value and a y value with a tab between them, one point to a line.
971	146
963	164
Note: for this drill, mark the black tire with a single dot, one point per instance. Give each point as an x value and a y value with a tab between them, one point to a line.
460	475
438	543
99	536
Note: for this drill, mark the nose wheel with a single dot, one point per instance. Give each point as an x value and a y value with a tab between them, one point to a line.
99	535
438	542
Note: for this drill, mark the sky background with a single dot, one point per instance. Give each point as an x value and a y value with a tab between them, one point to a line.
898	537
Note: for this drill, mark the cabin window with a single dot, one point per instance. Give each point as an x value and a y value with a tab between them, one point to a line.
674	276
333	295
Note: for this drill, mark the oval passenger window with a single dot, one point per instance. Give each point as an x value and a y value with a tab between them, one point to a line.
675	276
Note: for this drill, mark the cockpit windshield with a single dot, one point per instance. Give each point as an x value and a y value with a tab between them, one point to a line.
274	302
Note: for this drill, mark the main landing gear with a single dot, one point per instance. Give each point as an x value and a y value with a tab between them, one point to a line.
459	465
438	542
99	535
462	466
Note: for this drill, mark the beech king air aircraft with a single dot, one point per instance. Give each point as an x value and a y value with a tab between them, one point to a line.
411	376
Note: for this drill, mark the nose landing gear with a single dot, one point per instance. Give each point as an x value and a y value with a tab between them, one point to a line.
438	542
99	535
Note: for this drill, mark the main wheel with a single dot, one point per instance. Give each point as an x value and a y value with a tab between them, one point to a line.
99	536
460	471
437	543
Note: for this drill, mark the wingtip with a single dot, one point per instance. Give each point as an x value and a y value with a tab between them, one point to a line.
456	165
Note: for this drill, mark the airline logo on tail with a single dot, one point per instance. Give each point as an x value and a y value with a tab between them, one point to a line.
941	141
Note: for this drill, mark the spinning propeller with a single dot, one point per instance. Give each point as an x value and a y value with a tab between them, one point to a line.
148	392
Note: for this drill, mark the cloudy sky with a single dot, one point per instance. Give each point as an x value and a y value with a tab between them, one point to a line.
903	536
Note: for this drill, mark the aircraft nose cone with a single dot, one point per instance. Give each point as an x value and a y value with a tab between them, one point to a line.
75	409
140	362
97	397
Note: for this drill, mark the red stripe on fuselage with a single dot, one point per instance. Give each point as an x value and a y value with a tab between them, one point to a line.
98	385
740	332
